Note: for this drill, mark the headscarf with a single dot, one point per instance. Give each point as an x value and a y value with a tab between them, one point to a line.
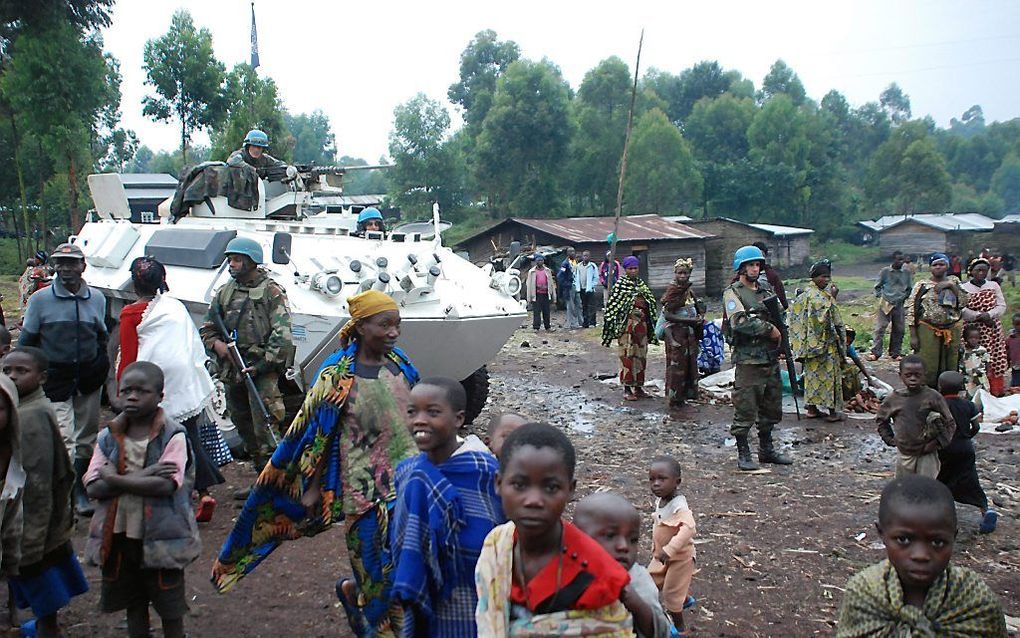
977	262
938	257
363	306
631	262
687	263
148	272
822	265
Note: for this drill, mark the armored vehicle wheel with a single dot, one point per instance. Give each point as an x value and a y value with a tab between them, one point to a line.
477	388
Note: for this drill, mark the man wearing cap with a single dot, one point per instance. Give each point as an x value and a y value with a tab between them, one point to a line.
541	292
68	321
757	388
254	309
253	152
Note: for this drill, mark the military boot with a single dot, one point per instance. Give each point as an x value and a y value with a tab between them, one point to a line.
744	460
767	451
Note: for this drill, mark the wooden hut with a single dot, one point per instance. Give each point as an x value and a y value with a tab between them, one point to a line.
951	233
788	246
655	241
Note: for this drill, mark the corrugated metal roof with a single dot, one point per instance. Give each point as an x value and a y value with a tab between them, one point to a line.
595	229
782	231
149	193
772	229
940	221
134	180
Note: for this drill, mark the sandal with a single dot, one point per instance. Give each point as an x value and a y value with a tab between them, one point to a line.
627	396
871	356
640	393
206	507
812	414
833	417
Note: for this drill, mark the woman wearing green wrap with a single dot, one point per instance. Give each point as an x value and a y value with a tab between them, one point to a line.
630	318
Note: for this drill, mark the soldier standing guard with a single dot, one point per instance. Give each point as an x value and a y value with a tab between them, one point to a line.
254	309
758	388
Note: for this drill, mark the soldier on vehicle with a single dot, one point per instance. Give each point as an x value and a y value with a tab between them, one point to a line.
755	341
253	152
254	309
370	220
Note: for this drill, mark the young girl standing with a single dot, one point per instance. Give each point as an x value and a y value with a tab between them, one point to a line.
539	575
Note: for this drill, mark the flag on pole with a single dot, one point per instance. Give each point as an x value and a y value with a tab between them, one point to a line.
254	40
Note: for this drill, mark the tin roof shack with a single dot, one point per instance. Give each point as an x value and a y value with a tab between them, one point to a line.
145	192
655	241
789	246
930	233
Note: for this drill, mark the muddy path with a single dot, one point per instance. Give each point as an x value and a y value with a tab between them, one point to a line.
775	548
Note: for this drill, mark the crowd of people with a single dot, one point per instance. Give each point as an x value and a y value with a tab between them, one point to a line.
452	535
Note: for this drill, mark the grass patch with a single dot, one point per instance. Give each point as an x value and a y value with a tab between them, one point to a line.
841	252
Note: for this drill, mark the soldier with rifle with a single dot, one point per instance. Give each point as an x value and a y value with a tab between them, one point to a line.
253	309
756	339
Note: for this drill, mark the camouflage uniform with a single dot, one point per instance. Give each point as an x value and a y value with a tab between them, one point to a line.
758	388
258	313
264	161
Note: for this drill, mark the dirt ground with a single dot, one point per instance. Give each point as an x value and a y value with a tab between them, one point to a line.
775	548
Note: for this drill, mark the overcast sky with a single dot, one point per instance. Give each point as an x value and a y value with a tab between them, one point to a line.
357	60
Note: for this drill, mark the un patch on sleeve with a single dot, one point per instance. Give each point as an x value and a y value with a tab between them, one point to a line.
731	305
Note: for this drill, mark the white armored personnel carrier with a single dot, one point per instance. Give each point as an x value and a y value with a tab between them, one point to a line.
455	316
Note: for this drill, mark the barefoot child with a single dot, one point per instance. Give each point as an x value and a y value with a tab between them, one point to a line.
615	524
958	459
500	427
673	530
539	575
49	574
446	504
916	421
916	591
143	533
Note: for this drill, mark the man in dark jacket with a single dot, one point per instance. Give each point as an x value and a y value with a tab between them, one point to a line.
68	321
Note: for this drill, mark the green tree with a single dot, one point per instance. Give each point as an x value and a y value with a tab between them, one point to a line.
895	103
251	102
484	60
704	79
525	135
1006	183
314	141
61	85
423	172
971	123
662	176
907	174
600	112
782	79
186	76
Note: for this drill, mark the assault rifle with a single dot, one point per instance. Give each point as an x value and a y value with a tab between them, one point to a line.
238	361
775	310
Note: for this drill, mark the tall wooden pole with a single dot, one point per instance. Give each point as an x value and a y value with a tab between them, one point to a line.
610	280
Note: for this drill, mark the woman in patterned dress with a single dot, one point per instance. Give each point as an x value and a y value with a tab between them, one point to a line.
685	315
337	462
934	316
630	319
985	307
818	340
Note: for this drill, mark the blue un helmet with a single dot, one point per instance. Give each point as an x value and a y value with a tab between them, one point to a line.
256	137
747	254
367	215
244	246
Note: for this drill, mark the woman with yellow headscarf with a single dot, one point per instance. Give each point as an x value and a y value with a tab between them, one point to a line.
336	462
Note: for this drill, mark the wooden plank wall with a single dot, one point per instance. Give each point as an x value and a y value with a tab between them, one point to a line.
728	238
913	239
